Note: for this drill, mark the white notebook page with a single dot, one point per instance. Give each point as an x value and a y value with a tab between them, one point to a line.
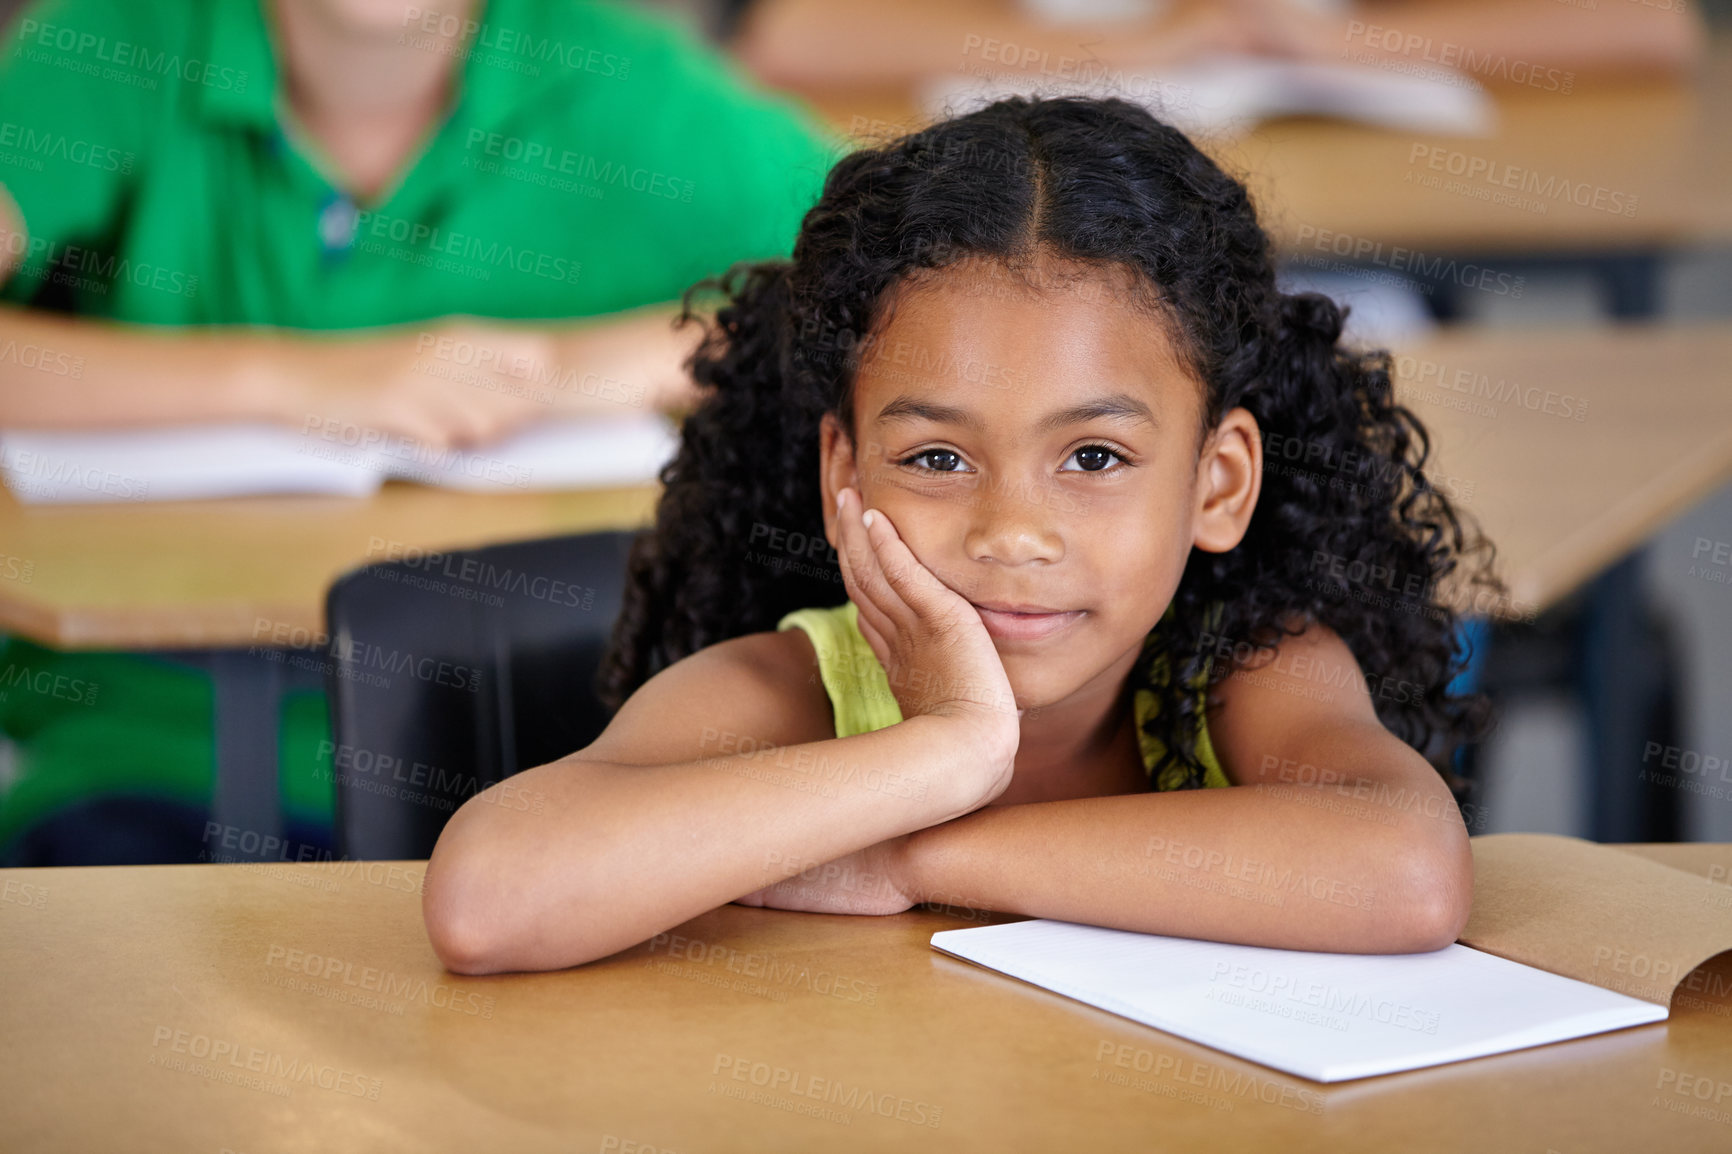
1327	1017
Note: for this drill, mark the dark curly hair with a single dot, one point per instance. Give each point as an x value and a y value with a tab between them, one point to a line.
1348	529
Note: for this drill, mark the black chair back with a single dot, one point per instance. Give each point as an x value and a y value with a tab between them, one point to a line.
448	672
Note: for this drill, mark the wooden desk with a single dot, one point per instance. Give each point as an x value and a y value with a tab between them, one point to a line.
1563	497
117	984
1662	147
165	575
229	582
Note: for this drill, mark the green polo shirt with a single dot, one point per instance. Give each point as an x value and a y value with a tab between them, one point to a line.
592	159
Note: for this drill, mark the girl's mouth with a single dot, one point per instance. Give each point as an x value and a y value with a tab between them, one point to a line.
1024	622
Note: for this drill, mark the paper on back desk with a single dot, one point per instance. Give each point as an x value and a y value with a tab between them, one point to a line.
234	460
1229	93
1327	1017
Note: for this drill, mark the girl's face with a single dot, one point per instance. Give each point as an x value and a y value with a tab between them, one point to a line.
1037	450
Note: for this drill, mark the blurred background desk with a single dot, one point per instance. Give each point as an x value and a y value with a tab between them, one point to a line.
1659	151
1562	498
1569	504
234	585
199	574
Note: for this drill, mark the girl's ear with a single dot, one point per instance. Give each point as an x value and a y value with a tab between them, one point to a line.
1229	477
837	469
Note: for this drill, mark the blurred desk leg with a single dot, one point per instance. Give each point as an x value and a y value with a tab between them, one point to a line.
1627	675
247	687
247	691
1603	646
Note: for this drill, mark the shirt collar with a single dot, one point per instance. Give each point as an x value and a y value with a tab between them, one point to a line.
240	83
489	89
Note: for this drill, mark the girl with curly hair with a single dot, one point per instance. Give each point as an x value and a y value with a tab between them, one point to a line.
1030	551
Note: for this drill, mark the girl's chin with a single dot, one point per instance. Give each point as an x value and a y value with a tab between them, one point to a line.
1037	690
1036	685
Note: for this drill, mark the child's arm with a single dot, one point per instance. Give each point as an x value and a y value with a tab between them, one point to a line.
1336	835
662	819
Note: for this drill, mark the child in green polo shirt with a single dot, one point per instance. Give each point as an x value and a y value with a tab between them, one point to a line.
262	172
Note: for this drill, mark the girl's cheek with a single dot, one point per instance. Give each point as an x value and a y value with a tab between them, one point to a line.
937	548
920	524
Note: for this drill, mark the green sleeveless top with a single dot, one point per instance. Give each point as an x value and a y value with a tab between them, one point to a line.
860	693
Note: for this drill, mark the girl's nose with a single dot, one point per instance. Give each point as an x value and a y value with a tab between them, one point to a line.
1014	527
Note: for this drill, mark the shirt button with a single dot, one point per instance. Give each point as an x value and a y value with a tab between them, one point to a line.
337	221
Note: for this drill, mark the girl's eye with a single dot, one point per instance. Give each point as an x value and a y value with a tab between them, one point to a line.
1091	459
936	461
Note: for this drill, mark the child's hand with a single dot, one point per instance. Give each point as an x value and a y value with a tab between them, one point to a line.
936	653
870	881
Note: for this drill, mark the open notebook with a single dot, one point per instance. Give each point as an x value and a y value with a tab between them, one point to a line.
235	460
1227	94
1567	939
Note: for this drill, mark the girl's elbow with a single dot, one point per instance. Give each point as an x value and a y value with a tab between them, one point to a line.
1435	919
462	947
470	941
466	903
481	915
1436	897
462	926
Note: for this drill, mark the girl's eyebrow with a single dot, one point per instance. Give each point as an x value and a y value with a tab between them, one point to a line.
906	408
1117	407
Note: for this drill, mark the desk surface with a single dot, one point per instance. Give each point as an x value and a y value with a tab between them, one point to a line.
118	985
1561	497
1659	150
205	573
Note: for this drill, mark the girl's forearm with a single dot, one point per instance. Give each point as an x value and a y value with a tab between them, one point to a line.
576	860
1354	866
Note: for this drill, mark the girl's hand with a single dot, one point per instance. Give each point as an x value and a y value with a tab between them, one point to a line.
936	653
870	881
